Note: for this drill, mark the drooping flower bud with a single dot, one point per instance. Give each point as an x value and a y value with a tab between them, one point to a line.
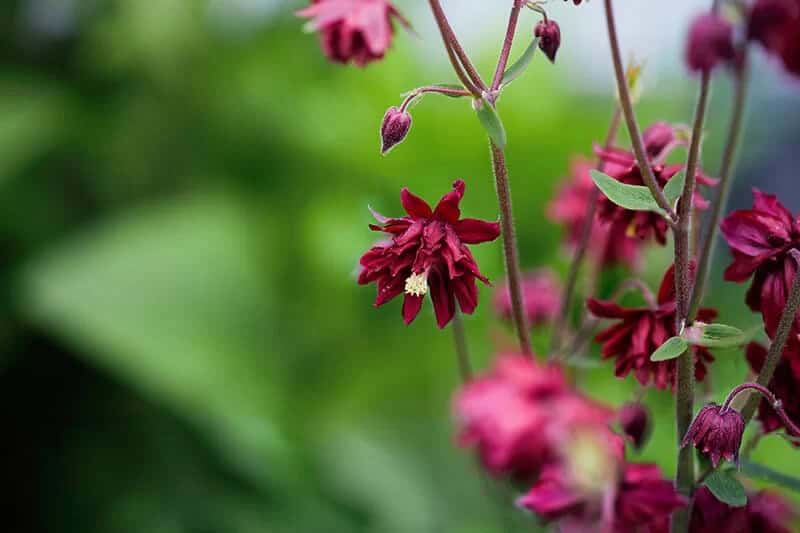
634	419
710	43
716	431
549	35
394	128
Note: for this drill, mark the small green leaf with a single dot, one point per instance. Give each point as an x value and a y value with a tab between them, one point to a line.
714	335
491	122
764	473
672	348
674	188
519	66
726	488
635	197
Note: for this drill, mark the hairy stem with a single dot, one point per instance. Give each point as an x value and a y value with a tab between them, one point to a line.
507	42
510	249
475	84
462	351
416	93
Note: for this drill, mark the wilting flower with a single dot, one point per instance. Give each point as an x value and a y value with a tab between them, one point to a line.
716	431
549	35
643	329
765	512
634	419
519	415
761	239
394	128
776	25
785	385
428	253
541	297
353	30
608	242
710	43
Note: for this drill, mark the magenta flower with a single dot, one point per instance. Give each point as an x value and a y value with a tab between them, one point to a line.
710	43
634	420
645	500
353	30
428	253
785	384
776	25
641	330
716	431
541	297
760	239
765	512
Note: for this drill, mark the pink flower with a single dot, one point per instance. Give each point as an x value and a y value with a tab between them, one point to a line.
760	239
428	252
710	43
357	30
645	500
765	512
634	420
785	384
643	329
541	297
776	25
716	432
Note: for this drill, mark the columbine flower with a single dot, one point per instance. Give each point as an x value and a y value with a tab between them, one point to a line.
353	30
394	128
716	431
541	297
776	25
766	512
643	329
760	239
428	253
710	43
549	35
634	419
785	385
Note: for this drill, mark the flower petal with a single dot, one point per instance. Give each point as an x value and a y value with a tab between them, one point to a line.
444	305
411	306
447	209
474	231
415	206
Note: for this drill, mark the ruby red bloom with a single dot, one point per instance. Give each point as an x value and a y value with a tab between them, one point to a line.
541	297
716	431
765	512
710	43
643	329
428	253
353	30
785	385
760	239
776	25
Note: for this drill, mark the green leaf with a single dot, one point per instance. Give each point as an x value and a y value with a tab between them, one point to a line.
672	348
726	488
764	473
714	335
491	122
674	188
519	66
635	197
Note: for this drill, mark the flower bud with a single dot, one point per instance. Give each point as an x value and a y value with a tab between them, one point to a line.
634	419
710	42
394	128
549	36
657	137
717	432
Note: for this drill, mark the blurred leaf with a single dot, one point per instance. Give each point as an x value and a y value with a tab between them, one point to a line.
491	122
519	66
672	348
636	197
714	335
726	488
674	188
765	473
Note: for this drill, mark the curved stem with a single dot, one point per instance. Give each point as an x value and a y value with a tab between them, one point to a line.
773	400
431	89
475	84
510	249
507	42
462	351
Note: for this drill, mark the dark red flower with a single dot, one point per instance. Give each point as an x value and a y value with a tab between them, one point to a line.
394	128
776	25
549	35
608	243
353	30
765	512
645	500
710	43
634	419
760	239
541	297
717	432
643	329
428	252
785	384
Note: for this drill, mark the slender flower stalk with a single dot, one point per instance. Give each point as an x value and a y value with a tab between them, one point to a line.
472	80
507	42
462	350
431	89
773	400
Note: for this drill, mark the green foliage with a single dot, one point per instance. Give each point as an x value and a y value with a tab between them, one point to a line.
519	66
672	348
726	488
490	120
636	197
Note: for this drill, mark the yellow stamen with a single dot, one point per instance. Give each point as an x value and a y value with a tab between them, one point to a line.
417	284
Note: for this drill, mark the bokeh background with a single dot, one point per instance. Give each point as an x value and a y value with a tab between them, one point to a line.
183	201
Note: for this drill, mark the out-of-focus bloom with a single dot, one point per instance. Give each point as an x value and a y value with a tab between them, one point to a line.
765	512
634	419
776	25
710	43
717	432
608	242
643	329
520	414
428	253
394	128
541	297
353	30
760	239
785	385
549	35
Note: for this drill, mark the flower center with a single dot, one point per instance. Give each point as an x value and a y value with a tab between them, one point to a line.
417	284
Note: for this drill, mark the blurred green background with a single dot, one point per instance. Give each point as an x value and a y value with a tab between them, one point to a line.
184	189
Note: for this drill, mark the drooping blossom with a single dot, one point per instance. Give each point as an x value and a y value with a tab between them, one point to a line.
640	330
761	239
717	432
765	512
710	43
785	385
549	35
776	25
353	30
519	415
541	297
394	128
428	253
634	420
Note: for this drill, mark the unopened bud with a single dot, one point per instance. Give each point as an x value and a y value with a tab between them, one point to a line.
549	36
716	431
710	43
394	128
657	137
634	419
